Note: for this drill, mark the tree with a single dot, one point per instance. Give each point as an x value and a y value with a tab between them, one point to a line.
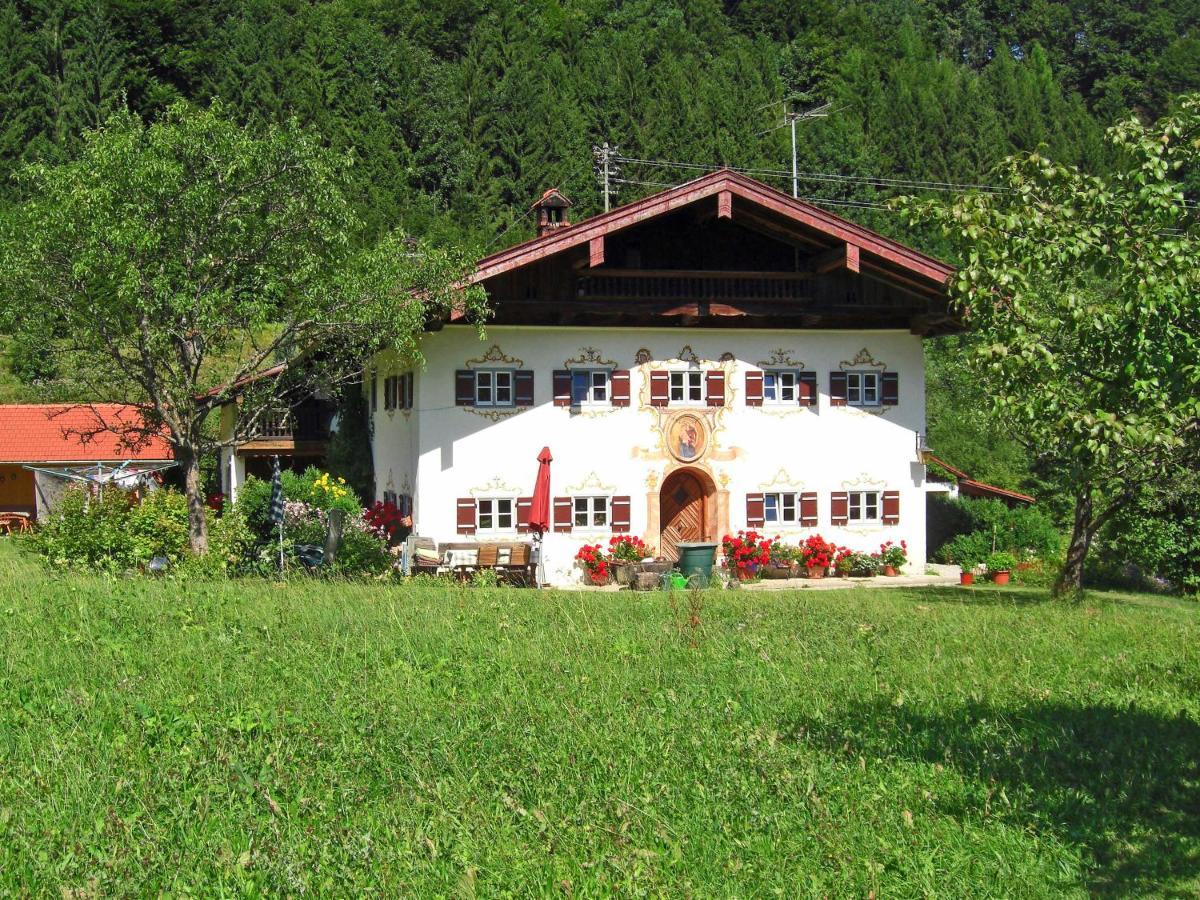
1081	290
182	260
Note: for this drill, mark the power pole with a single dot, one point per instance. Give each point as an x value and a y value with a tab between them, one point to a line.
607	169
604	151
795	179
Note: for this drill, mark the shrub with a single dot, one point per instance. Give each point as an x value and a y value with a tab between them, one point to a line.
1001	561
966	550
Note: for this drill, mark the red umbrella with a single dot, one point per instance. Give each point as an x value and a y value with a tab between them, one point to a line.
539	510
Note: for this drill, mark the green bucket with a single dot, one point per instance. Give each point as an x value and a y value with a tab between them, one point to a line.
697	559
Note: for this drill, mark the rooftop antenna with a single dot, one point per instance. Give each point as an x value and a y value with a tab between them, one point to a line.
790	117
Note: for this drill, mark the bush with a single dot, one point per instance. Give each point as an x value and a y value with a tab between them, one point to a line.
966	550
1001	561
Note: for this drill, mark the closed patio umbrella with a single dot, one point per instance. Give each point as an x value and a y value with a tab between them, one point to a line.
539	508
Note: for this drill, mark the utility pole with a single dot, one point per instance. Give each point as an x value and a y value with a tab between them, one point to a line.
604	152
795	179
607	169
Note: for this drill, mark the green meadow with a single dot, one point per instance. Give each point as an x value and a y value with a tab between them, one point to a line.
246	737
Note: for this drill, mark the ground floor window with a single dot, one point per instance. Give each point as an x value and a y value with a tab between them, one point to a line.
590	512
864	506
495	514
779	508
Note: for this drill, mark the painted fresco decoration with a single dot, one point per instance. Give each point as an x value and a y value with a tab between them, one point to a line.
494	357
591	485
782	482
495	487
780	359
589	358
864	360
687	438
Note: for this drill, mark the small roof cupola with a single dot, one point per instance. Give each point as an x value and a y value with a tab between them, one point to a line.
552	209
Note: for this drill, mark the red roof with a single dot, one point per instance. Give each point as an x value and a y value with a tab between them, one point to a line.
74	433
972	488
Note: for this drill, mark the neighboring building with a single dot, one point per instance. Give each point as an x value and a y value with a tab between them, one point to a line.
298	434
44	448
715	357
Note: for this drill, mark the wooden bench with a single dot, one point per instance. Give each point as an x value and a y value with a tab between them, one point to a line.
513	560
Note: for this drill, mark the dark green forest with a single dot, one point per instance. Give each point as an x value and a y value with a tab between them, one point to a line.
460	112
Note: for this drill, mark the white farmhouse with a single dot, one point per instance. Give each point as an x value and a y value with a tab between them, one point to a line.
715	357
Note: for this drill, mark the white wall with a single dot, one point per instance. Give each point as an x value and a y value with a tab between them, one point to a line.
444	452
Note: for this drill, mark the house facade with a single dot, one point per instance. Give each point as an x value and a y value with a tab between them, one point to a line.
715	357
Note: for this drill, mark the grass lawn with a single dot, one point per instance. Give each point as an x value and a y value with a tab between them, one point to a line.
233	737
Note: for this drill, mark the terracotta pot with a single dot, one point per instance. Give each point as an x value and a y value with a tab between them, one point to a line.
595	580
966	578
816	572
1001	577
749	573
890	571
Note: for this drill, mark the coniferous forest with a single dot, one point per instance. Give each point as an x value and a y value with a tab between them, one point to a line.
460	112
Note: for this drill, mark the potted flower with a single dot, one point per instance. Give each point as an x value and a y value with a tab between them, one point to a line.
892	557
863	565
595	565
625	552
1000	566
843	562
781	560
817	554
745	554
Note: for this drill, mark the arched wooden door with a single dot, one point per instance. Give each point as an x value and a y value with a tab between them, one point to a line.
682	511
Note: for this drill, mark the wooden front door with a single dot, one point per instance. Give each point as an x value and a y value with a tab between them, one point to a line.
681	512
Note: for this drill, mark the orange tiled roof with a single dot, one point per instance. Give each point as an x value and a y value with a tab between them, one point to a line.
67	432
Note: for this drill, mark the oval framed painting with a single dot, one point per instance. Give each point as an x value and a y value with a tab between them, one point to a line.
687	438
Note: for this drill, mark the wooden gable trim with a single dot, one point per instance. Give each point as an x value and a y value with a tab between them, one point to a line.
724	205
836	228
596	251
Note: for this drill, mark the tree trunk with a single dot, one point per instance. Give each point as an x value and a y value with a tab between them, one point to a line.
1070	580
189	459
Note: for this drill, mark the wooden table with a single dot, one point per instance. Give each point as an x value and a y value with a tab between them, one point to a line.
10	522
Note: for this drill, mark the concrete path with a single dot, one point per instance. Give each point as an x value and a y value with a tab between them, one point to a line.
945	576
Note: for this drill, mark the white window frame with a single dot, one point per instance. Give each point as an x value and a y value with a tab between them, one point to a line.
691	381
785	505
857	388
599	381
859	503
589	505
497	514
492	377
779	388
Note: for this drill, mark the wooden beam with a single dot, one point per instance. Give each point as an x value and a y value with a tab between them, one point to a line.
724	205
596	251
843	256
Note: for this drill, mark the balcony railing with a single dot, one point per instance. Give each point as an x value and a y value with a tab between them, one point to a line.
298	424
650	284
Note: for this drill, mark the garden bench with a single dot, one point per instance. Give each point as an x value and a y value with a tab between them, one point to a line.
512	560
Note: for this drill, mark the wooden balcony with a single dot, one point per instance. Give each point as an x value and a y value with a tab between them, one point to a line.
693	286
304	430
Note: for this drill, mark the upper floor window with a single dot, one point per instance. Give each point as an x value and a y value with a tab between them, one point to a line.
495	514
589	387
864	506
494	387
862	388
590	512
687	386
780	386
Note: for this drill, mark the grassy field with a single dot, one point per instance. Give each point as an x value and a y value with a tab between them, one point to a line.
245	737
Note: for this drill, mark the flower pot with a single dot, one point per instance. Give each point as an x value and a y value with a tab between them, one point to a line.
966	578
1001	577
890	571
816	572
595	580
747	573
776	570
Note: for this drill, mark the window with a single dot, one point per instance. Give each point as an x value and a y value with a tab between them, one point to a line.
590	512
780	508
495	514
493	387
864	506
687	387
374	390
589	387
862	388
780	386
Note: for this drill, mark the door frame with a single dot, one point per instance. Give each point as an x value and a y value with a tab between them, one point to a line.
708	494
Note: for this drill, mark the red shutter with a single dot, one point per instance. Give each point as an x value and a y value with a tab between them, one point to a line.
464	388
620	514
837	388
754	511
891	507
891	388
660	387
562	514
808	509
523	388
562	387
620	387
839	508
808	388
715	387
754	388
524	508
466	515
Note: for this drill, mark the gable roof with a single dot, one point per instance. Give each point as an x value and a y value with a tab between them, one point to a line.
74	432
727	186
972	488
